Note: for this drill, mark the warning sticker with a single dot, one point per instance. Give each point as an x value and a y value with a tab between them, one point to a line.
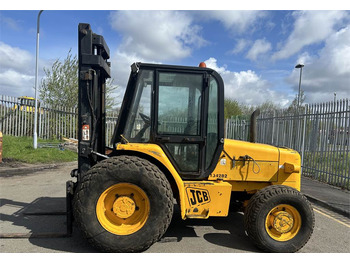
86	132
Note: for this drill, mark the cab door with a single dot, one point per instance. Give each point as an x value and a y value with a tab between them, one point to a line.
182	124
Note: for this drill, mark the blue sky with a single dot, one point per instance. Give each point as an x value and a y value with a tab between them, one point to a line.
254	51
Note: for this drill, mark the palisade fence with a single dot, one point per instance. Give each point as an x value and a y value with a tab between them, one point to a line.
319	132
17	119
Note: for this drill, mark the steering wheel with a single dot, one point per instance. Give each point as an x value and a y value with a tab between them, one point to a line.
145	119
147	124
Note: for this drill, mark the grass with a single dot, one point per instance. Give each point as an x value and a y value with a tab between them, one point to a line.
21	149
330	167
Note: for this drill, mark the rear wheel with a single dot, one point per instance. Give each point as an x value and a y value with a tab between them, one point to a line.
279	219
123	204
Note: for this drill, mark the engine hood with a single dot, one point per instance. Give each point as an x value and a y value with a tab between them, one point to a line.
257	151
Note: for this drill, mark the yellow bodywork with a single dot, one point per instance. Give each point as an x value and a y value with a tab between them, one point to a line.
242	166
265	165
27	104
156	152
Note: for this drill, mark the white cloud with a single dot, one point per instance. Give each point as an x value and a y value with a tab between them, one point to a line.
236	20
241	45
157	35
161	36
310	27
14	58
151	37
13	83
328	72
212	63
9	22
120	70
260	46
246	86
16	71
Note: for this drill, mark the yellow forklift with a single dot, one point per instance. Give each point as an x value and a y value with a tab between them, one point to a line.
123	199
26	103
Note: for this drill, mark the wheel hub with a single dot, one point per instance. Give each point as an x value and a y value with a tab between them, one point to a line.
124	207
283	222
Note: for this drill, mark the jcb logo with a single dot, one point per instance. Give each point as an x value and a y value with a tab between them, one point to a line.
197	196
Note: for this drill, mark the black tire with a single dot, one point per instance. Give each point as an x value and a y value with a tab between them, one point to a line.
265	203
134	172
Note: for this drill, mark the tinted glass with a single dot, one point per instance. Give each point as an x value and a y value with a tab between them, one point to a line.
179	104
186	156
212	131
138	121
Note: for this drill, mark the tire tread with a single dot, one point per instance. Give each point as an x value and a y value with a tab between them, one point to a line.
110	165
257	202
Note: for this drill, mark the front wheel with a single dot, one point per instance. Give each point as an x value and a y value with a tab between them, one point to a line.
123	204
279	219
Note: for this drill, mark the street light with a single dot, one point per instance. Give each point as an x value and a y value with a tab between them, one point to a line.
35	135
301	70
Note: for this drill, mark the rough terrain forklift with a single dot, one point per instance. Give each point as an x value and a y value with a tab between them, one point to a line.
123	199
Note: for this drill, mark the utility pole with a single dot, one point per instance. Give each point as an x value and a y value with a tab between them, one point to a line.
35	135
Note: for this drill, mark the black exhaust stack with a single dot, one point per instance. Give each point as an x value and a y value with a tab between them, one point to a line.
253	129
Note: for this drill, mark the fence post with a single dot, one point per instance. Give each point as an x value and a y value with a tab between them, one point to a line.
303	142
273	127
0	147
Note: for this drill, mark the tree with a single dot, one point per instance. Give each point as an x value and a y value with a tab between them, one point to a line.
267	106
231	108
294	105
59	87
110	99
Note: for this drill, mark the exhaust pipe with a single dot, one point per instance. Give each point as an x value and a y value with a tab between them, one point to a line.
253	130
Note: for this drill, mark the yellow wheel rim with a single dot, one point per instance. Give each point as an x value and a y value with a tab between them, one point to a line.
123	209
283	222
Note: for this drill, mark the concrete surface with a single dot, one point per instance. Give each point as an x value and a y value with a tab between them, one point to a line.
44	191
330	197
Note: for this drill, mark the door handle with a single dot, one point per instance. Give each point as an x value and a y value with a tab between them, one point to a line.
163	139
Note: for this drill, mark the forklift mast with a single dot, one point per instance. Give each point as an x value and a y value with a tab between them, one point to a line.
94	69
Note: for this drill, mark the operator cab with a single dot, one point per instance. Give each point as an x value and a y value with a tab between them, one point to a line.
178	108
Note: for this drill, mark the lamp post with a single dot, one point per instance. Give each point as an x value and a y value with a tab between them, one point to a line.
301	70
35	135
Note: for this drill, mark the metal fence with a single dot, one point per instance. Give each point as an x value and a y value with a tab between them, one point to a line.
319	132
17	119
